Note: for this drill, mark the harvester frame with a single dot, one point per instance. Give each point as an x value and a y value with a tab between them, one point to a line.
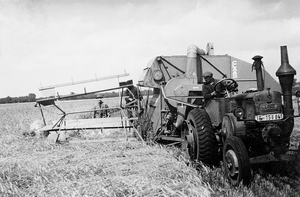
62	124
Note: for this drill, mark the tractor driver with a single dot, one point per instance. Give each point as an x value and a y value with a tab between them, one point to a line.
208	87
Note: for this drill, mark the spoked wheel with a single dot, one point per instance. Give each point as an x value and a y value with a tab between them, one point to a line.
236	161
202	143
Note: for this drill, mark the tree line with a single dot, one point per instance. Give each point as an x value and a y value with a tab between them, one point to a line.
21	99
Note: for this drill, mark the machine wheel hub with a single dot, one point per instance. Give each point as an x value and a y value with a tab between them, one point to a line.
190	140
232	163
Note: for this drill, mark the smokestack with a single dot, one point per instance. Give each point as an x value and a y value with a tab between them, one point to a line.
286	73
257	64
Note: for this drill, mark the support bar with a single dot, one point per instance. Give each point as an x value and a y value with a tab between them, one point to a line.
83	81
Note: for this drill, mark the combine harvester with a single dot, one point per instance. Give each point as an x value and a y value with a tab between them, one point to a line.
64	123
250	124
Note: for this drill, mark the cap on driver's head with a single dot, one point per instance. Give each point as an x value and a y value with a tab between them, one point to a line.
207	74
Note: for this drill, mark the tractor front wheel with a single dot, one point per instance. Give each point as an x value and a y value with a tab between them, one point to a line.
236	161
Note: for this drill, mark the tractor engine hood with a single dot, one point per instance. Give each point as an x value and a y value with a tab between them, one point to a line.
261	96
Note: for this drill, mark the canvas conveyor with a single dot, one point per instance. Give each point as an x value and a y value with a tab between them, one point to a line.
96	123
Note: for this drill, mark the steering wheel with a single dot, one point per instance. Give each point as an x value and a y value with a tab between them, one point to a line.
225	85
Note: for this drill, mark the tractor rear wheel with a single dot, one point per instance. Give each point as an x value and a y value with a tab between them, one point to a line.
236	161
201	141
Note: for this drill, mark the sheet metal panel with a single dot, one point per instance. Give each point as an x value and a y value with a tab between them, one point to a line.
238	70
232	67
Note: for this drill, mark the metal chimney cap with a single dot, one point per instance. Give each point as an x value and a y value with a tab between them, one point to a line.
257	57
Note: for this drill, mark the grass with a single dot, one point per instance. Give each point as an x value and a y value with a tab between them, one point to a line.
114	163
95	169
118	167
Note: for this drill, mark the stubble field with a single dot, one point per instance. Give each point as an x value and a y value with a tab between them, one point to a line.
112	163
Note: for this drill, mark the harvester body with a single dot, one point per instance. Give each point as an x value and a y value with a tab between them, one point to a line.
251	124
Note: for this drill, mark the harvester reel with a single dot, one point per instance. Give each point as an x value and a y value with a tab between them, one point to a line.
236	161
225	85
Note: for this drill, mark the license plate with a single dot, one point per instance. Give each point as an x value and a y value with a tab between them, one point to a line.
269	117
291	152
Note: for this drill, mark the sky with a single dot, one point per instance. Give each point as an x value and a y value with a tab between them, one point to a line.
49	42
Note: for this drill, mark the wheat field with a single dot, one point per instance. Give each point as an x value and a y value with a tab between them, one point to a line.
112	163
120	165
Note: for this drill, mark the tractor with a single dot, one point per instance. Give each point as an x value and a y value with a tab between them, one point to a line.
250	123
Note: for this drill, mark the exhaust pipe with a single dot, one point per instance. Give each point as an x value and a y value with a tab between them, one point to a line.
286	73
257	65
